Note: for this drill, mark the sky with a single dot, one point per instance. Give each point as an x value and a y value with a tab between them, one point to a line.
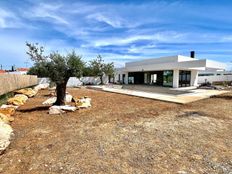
120	31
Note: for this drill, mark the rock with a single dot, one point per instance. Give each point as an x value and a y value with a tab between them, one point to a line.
18	100
6	118
61	109
27	91
83	102
5	134
68	98
8	106
50	101
54	110
7	111
41	86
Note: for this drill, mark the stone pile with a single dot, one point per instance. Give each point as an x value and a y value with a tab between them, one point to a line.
7	112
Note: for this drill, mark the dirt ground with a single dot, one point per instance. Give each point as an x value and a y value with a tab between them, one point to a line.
122	134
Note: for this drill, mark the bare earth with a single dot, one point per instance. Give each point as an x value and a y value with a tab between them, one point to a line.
122	134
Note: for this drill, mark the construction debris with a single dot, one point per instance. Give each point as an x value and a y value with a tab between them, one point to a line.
5	134
18	100
83	102
27	91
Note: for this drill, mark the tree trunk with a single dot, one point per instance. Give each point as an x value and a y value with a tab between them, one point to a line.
60	93
101	78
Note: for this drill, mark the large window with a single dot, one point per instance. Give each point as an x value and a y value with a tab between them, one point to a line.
184	78
168	78
130	80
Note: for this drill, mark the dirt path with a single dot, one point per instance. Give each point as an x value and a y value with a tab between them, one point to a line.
123	134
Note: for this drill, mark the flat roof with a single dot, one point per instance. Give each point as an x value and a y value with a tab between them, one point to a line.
173	62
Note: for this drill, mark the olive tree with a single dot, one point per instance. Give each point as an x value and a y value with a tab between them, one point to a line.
57	67
99	68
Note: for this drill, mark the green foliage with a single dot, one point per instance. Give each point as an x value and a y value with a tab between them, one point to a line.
57	67
99	68
87	71
39	69
36	52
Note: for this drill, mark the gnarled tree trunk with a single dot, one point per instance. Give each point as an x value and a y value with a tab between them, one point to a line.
101	78
60	93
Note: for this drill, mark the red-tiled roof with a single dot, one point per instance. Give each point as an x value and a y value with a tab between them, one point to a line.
22	69
2	71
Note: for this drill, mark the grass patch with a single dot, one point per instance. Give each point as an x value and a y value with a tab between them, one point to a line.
4	98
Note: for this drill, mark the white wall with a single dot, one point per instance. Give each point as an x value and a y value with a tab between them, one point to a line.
194	78
18	72
176	78
215	78
75	82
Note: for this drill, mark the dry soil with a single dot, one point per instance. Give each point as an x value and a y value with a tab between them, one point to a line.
122	134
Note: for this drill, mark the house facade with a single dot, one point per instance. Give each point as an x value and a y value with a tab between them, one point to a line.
173	71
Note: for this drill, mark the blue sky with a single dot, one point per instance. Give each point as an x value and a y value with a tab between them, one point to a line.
120	31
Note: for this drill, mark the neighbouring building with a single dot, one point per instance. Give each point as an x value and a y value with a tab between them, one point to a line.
2	71
22	71
173	71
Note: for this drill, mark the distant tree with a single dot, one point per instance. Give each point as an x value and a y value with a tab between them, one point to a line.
87	71
57	67
99	68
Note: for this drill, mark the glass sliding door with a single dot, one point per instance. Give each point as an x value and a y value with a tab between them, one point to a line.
168	78
184	78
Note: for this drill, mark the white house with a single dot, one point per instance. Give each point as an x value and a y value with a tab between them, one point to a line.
173	71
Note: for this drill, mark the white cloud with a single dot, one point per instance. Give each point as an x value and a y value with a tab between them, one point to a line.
121	41
115	22
51	12
9	20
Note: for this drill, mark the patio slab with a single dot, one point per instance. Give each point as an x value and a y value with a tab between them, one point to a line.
188	97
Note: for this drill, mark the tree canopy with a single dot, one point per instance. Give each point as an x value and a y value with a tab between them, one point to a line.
97	67
57	67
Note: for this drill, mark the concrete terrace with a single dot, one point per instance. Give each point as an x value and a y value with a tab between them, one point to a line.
163	94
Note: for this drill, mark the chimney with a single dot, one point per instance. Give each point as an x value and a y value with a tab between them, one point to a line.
192	54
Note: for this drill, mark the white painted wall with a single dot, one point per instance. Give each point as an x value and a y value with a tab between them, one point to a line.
75	82
18	72
176	78
215	78
194	78
173	62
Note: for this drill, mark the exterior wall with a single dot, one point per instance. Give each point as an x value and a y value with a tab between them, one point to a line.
75	82
18	72
194	78
120	72
11	82
176	78
214	78
126	78
174	63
